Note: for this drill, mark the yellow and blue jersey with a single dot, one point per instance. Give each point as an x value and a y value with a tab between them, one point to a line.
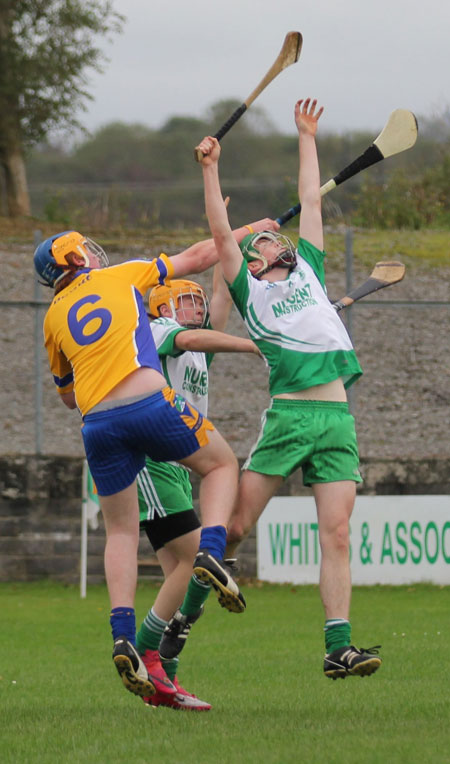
96	330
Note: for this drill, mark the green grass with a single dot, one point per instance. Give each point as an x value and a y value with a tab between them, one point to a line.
62	700
424	247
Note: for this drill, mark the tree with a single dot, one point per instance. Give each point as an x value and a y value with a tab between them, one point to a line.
45	48
191	126
256	121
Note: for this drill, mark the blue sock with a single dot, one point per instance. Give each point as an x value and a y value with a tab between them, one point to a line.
123	623
214	539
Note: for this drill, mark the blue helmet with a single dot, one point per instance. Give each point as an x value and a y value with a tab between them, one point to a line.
50	257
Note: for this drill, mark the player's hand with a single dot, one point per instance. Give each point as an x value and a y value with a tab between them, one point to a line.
210	148
257	351
266	224
306	117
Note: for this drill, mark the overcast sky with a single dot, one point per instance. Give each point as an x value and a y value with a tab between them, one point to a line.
361	58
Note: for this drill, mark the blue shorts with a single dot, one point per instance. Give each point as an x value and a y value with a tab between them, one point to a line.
163	426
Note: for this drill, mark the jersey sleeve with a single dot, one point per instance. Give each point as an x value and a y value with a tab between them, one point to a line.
144	274
60	367
314	257
240	290
164	332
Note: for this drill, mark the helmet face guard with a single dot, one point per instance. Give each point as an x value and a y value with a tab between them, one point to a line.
51	256
170	294
286	259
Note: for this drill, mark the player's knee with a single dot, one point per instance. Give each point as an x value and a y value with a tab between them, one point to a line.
342	538
337	539
237	531
226	459
232	467
234	536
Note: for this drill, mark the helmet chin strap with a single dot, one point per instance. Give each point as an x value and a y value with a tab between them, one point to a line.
277	264
83	255
173	308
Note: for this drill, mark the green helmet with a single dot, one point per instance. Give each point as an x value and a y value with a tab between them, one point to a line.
286	259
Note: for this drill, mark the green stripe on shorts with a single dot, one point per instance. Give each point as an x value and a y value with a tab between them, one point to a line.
163	489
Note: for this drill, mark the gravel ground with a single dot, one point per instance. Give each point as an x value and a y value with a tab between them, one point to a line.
401	404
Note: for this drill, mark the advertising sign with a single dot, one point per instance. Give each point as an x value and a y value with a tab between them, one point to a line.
394	540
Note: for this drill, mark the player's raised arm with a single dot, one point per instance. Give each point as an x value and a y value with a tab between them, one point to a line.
229	253
220	302
306	119
203	254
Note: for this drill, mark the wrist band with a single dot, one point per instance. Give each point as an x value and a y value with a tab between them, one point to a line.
249	228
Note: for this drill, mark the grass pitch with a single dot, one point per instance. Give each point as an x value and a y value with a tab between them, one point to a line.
62	700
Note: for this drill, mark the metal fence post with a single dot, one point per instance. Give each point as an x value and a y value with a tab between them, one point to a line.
38	341
348	288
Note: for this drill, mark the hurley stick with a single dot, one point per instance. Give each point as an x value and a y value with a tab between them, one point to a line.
289	54
398	134
383	275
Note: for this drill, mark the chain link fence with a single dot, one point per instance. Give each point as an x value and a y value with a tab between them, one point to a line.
401	404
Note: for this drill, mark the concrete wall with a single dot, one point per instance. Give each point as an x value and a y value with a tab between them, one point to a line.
40	512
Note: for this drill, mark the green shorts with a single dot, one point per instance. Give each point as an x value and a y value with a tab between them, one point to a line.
318	436
163	489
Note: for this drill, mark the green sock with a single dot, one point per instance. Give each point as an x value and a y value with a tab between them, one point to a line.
150	633
170	667
197	593
338	632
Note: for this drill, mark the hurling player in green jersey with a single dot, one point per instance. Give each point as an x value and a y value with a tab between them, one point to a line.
280	293
188	330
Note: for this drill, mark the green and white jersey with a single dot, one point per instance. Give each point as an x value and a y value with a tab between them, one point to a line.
185	371
295	326
164	488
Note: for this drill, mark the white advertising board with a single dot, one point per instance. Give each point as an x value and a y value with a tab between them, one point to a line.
394	540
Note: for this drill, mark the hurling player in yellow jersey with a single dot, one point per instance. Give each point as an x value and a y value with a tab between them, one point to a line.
104	362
